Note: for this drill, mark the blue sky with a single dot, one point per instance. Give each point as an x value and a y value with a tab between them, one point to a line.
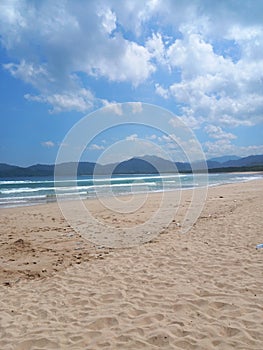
61	60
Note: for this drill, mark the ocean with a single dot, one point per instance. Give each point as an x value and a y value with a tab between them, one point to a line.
36	190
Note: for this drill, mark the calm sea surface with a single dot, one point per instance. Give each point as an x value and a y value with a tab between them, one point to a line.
35	190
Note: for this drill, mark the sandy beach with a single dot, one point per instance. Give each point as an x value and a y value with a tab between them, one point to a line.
199	290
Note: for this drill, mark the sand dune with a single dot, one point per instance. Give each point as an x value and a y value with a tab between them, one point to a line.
200	290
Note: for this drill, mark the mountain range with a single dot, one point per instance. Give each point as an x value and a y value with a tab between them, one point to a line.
137	165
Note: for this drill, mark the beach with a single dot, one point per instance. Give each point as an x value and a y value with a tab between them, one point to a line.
199	290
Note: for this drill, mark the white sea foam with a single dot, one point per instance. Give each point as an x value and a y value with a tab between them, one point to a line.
27	192
248	178
12	182
94	179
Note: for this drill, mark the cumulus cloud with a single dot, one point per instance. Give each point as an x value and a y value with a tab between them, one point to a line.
208	64
218	59
216	132
80	101
225	146
53	42
162	91
213	87
108	19
182	123
31	73
181	148
115	108
156	47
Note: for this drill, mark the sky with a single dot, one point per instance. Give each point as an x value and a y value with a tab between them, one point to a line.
201	60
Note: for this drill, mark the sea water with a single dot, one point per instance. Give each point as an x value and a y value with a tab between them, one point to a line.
36	190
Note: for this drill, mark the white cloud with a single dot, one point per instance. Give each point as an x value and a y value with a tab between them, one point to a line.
191	121
54	43
134	65
119	60
224	146
185	122
229	121
151	137
216	132
194	56
31	73
136	107
211	18
208	63
131	147
161	91
48	144
133	15
156	47
133	137
115	108
80	101
183	148
212	87
95	147
108	19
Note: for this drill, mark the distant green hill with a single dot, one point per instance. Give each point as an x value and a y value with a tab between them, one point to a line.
140	165
224	159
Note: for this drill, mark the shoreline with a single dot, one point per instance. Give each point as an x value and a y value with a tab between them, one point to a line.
52	198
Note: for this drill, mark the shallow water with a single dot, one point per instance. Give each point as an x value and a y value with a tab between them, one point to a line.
35	190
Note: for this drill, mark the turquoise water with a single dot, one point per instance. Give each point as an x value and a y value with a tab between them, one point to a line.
35	190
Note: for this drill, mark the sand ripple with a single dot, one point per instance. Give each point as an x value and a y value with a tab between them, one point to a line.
203	290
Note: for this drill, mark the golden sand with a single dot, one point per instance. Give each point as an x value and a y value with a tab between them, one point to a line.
199	290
